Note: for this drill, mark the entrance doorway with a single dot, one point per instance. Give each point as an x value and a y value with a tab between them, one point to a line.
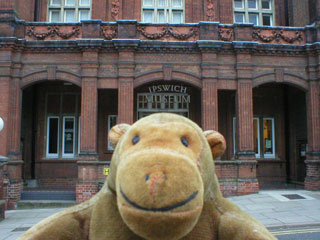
282	133
50	134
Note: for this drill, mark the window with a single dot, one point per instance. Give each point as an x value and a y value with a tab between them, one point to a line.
256	137
53	137
267	137
149	103
69	142
69	10
79	135
258	12
112	121
163	11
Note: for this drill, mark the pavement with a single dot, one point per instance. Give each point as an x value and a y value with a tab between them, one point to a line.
276	209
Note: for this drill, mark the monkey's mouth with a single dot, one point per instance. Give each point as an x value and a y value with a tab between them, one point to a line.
162	209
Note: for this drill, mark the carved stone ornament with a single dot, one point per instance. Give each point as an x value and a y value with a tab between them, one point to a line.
52	32
210	10
168	31
277	35
225	34
109	32
115	9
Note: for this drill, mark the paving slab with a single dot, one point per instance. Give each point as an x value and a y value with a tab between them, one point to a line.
271	208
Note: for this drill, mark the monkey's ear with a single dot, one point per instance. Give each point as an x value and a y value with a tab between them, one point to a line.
216	141
116	133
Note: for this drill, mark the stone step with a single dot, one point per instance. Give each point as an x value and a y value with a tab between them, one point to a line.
49	195
30	204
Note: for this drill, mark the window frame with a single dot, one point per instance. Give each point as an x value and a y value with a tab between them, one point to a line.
234	119
259	11
79	134
265	155
168	10
55	155
51	4
109	147
261	154
63	7
258	155
50	14
63	154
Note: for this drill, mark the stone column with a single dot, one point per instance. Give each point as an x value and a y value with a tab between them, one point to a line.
245	156
15	163
209	91
4	113
209	104
87	184
4	133
125	87
10	112
244	122
312	180
89	118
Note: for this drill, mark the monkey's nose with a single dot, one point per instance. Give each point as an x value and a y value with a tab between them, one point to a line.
156	176
154	181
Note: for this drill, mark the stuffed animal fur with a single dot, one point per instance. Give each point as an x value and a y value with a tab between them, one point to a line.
162	185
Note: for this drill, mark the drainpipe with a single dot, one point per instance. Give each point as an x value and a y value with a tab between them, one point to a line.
35	17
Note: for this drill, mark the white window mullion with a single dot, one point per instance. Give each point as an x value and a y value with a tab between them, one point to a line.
260	18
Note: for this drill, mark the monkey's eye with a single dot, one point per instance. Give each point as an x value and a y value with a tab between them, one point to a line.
135	139
184	141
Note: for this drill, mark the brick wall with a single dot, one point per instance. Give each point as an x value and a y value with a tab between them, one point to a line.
85	190
298	13
89	176
3	191
13	193
312	181
237	177
25	9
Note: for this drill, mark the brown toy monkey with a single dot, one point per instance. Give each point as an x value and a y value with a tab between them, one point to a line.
162	185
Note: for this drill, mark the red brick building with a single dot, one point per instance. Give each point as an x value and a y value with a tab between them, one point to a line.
71	69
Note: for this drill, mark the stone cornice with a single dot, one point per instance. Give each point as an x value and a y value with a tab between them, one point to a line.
12	43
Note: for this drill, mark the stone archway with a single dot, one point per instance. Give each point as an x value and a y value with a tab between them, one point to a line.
50	123
50	74
280	117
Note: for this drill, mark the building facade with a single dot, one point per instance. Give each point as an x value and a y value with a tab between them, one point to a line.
71	69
